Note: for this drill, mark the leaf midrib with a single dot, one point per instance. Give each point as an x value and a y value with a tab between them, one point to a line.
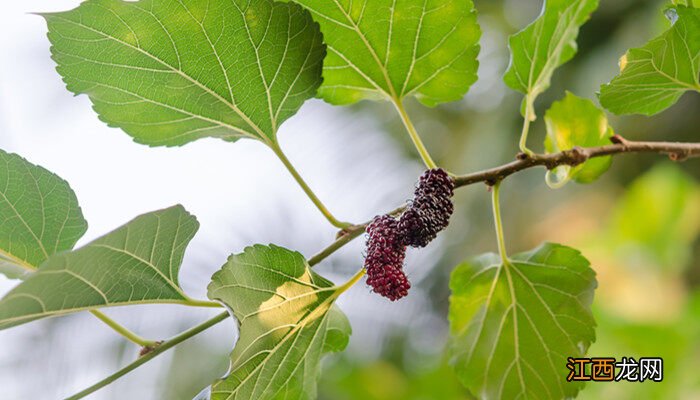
514	307
534	327
148	263
257	58
152	101
211	45
516	333
325	305
392	93
285	301
14	260
534	89
65	311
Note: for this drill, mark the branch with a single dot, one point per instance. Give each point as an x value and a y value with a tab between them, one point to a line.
579	155
158	350
674	150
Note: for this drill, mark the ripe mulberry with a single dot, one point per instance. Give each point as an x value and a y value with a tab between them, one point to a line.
430	210
427	214
385	257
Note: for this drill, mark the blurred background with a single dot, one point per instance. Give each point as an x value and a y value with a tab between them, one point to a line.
638	225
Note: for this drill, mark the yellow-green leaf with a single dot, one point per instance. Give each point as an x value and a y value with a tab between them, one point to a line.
287	321
574	121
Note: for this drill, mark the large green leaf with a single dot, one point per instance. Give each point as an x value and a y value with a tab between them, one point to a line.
546	44
135	264
572	122
169	72
391	49
39	215
287	321
653	77
513	326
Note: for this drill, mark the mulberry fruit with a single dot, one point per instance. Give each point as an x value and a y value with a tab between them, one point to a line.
430	210
427	214
385	257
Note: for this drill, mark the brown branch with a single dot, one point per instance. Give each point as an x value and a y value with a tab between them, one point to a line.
579	155
576	156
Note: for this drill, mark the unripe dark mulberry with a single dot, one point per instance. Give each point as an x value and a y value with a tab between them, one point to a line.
430	210
385	257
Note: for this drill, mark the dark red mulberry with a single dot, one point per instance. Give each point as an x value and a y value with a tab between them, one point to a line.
427	214
435	181
385	257
390	282
430	210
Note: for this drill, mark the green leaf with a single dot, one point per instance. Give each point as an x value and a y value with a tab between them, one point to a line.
546	44
572	122
392	49
169	72
653	77
39	215
513	326
136	264
287	321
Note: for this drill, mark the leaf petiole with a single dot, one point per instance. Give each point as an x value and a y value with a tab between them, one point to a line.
309	193
160	349
201	303
417	142
347	285
495	190
120	329
528	117
133	337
